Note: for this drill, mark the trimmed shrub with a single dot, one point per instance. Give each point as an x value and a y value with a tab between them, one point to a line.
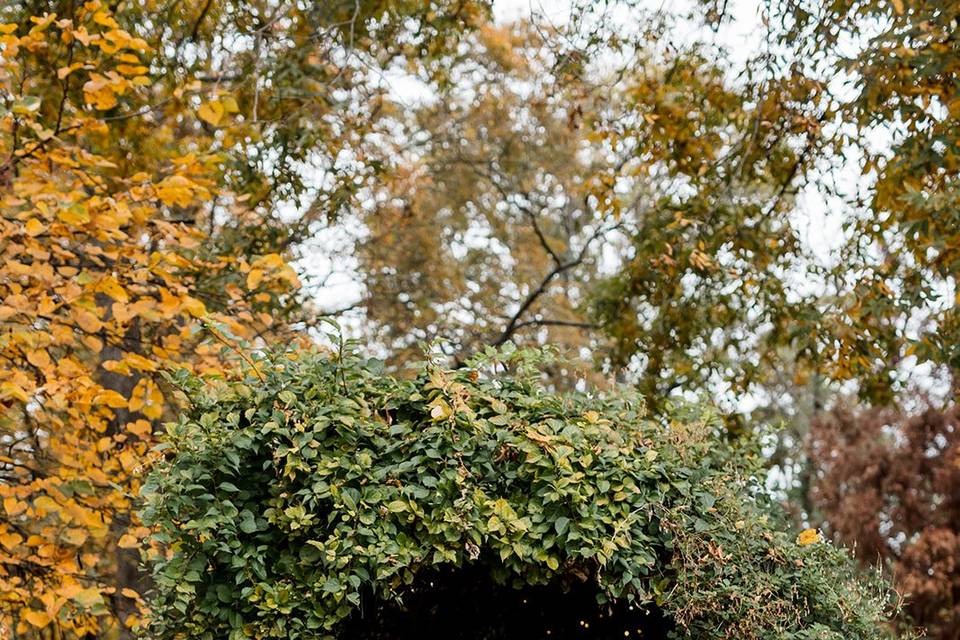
329	493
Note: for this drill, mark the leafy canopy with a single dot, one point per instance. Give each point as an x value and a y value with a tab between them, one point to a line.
144	148
281	502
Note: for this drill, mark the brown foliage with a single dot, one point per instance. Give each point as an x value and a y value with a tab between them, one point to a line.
888	482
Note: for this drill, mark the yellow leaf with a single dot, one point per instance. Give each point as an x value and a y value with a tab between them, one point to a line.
193	306
10	540
131	70
13	506
45	505
211	112
147	399
112	288
75	537
99	92
122	313
111	398
229	104
38	619
154	407
175	190
128	541
137	361
10	390
105	19
897	6
86	320
808	536
140	428
39	358
75	215
88	598
169	303
63	72
270	261
254	278
33	227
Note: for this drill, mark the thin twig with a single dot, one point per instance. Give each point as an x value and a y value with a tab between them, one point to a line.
216	334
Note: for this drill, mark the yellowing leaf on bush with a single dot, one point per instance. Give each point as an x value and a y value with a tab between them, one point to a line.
808	536
440	410
26	105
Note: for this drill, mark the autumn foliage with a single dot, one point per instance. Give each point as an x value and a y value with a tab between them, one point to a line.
630	197
103	282
888	484
139	186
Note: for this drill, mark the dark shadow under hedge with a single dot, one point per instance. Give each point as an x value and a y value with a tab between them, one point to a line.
464	603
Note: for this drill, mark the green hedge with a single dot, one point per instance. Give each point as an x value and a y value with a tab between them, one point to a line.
280	503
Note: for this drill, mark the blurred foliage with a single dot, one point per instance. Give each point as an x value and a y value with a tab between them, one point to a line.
886	482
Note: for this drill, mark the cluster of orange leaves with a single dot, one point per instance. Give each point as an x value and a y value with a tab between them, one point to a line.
99	293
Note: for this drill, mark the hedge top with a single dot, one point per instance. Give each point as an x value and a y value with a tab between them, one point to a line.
280	502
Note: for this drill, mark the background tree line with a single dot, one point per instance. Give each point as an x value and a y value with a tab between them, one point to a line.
614	183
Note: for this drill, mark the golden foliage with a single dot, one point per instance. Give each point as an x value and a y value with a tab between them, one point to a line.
103	284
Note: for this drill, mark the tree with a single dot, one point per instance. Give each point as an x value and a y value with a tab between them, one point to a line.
104	280
290	506
883	474
897	81
886	484
485	232
144	162
623	211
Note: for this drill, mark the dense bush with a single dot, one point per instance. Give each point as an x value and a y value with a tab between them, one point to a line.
329	493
